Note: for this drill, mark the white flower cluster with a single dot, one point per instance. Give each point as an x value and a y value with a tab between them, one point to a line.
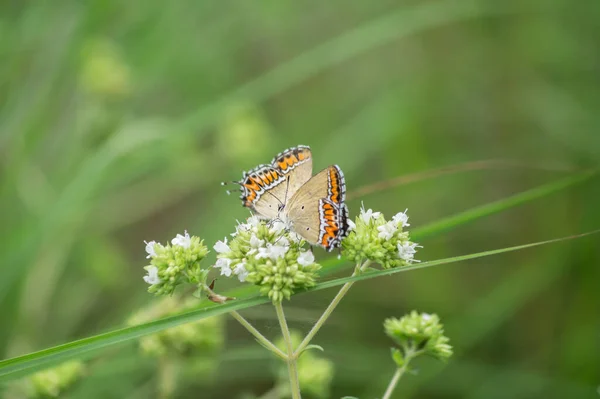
175	263
406	249
151	277
274	245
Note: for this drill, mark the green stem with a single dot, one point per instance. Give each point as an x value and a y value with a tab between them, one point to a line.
336	300
291	358
410	354
260	338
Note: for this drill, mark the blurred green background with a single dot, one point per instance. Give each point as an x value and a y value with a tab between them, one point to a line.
118	120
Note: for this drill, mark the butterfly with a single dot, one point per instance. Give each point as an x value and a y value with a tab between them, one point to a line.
286	189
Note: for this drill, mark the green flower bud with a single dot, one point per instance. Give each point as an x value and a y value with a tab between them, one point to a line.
418	333
204	337
103	71
268	255
315	373
375	239
172	265
50	383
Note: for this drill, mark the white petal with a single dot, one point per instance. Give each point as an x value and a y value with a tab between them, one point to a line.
387	230
351	225
182	240
277	251
240	271
306	258
222	247
152	276
253	221
150	249
224	265
282	241
277	226
401	219
407	251
255	242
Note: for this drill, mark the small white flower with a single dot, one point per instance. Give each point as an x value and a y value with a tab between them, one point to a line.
295	237
351	225
277	226
222	247
306	258
183	241
253	221
367	215
272	251
407	251
152	276
278	251
225	265
387	230
150	249
240	271
401	219
255	242
282	241
426	316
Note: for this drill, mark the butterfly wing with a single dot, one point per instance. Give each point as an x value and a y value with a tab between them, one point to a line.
296	165
266	188
262	190
317	210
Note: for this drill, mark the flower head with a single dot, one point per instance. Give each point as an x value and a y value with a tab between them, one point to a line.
175	263
418	333
373	238
50	383
267	254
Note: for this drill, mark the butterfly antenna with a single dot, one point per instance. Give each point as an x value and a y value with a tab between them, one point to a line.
225	183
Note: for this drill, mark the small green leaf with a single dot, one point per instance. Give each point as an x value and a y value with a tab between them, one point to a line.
398	357
312	346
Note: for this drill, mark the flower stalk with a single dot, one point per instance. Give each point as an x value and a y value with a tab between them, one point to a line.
259	337
409	355
291	357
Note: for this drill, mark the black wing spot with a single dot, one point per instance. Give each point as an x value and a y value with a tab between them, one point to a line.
308	228
302	206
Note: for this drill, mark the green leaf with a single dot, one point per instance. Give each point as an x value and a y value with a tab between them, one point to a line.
500	205
333	265
18	366
313	346
398	357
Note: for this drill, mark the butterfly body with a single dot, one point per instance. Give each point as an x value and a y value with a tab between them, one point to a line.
286	189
